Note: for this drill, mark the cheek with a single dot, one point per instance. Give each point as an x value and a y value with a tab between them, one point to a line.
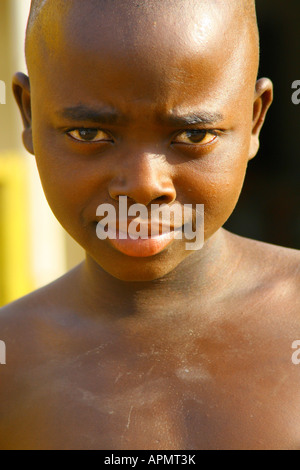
218	187
71	187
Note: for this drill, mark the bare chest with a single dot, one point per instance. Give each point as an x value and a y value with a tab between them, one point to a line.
158	404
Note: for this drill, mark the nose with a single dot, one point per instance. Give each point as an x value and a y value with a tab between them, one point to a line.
145	180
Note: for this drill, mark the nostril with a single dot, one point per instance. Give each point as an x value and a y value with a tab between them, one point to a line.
162	199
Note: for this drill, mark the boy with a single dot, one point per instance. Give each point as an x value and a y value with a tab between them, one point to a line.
148	345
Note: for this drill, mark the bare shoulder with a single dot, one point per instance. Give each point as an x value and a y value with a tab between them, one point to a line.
57	295
269	258
40	333
273	272
27	324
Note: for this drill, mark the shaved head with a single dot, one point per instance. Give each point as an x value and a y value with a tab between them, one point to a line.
37	5
43	12
165	91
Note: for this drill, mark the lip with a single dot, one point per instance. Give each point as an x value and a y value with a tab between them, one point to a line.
142	248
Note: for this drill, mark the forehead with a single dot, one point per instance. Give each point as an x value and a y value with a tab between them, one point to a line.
144	24
153	50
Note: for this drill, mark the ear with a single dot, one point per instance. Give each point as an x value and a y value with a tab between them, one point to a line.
21	89
262	101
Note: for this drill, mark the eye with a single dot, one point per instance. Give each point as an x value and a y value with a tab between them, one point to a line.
90	135
195	136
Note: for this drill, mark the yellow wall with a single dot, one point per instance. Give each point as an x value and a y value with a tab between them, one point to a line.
34	249
15	273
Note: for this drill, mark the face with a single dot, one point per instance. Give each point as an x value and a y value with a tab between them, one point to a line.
154	106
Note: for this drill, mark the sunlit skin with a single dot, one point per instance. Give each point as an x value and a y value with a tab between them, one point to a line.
181	349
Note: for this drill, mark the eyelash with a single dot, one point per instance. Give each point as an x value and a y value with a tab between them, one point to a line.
95	129
213	132
194	132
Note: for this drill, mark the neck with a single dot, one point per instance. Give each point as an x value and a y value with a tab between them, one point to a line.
201	276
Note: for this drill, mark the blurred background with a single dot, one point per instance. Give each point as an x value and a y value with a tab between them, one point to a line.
269	207
34	250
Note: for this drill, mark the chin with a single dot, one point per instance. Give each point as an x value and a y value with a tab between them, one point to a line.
140	270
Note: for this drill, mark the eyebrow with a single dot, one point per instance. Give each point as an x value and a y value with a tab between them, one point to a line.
104	115
204	117
107	115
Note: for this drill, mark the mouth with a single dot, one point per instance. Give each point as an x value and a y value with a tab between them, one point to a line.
142	248
143	245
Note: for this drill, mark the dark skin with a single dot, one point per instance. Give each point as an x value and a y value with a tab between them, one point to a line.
182	350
